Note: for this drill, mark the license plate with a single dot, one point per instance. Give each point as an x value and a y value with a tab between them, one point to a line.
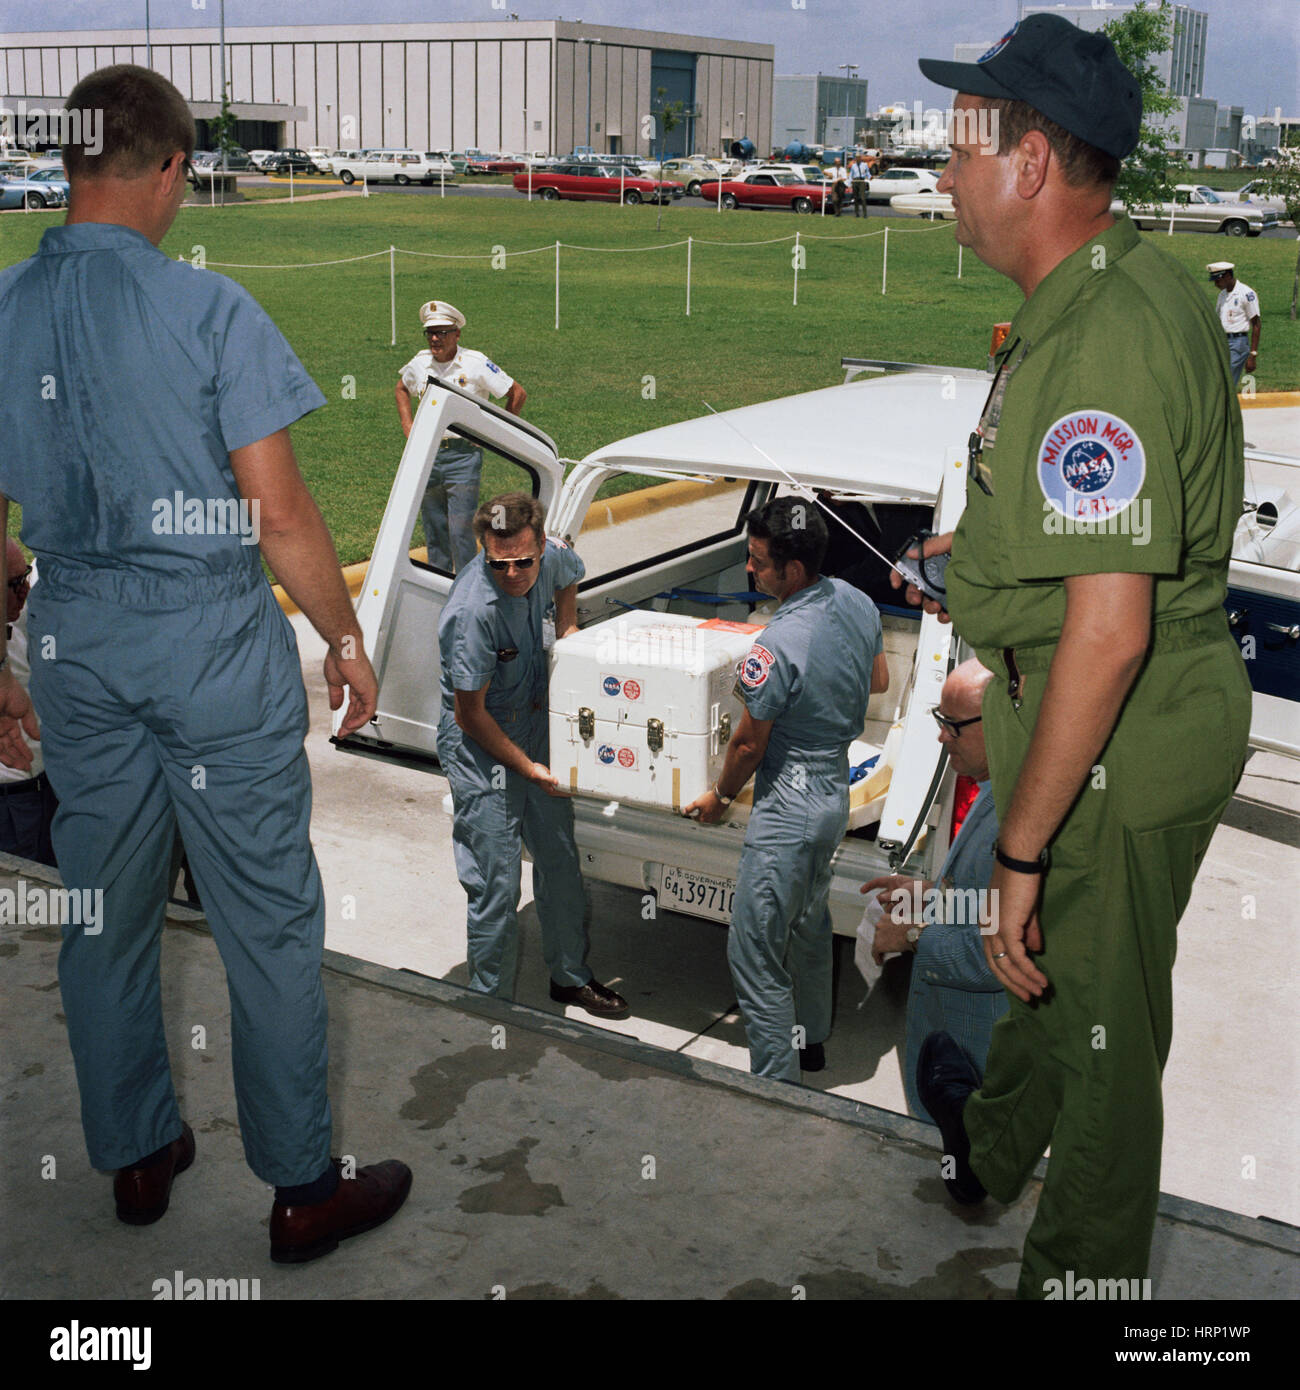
701	895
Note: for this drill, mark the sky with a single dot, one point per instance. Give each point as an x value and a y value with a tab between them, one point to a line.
1252	50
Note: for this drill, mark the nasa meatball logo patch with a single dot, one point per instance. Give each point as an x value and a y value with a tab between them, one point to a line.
754	668
1000	45
1091	465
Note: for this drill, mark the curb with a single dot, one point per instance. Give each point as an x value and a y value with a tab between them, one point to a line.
625	507
1270	399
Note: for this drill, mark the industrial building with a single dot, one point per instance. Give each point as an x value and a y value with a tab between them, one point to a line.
813	109
510	85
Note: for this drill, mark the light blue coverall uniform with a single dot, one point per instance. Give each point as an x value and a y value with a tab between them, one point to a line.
166	678
809	671
953	990
486	635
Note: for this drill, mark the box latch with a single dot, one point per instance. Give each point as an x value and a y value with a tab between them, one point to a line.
654	735
586	723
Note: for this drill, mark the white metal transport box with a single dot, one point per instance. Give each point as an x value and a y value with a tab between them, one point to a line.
642	706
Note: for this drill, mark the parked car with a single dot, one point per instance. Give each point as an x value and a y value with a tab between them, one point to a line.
392	166
51	178
591	182
496	164
771	190
885	185
1257	193
237	160
258	158
691	171
16	192
904	473
927	204
1197	208
285	160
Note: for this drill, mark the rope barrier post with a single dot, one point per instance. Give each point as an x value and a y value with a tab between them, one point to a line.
960	249
290	180
688	277
442	179
1173	208
884	265
392	291
365	187
796	269
622	178
212	189
557	286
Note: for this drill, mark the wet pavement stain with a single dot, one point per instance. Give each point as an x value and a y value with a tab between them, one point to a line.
884	1260
440	1086
548	1292
217	1122
42	934
961	1276
933	1192
44	989
36	1069
7	949
515	1194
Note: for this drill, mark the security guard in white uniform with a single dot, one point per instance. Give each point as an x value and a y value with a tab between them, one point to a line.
1238	309
451	497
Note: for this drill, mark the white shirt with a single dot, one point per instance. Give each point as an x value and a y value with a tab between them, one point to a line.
859	170
1237	307
469	370
19	665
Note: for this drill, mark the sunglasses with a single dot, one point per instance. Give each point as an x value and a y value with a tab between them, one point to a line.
19	580
953	726
525	564
440	332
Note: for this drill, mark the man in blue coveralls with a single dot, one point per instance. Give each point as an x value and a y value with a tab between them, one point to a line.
805	685
145	423
494	741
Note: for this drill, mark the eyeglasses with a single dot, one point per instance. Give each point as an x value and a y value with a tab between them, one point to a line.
191	174
19	580
953	726
526	563
440	332
1221	275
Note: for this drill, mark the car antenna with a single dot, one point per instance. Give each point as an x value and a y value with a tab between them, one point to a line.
930	584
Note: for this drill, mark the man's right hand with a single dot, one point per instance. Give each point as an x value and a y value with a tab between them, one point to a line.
16	718
542	776
357	674
933	545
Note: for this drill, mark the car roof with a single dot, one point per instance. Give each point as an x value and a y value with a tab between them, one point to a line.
915	419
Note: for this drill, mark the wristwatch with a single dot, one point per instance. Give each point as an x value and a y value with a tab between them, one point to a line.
913	934
726	800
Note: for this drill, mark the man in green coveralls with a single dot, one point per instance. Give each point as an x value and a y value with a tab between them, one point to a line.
1088	571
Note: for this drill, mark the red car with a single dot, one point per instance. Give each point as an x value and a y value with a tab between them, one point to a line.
494	166
592	182
771	191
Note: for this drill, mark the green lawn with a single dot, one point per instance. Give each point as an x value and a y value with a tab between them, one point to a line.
622	314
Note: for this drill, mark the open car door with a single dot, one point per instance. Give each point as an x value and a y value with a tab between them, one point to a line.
403	596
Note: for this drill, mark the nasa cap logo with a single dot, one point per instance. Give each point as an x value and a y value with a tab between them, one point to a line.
1072	77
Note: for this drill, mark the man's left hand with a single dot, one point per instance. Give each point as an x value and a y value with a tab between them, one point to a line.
890	936
1015	907
16	718
358	676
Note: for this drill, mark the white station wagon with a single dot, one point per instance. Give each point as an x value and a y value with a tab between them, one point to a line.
908	471
391	166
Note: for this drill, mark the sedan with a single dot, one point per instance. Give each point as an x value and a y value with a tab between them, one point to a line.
1259	195
1196	208
884	186
285	160
495	164
762	190
17	192
54	178
590	181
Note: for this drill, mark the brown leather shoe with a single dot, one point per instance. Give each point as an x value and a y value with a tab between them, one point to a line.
301	1233
594	997
143	1193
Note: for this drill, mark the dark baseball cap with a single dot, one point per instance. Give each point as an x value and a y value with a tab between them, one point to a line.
1071	76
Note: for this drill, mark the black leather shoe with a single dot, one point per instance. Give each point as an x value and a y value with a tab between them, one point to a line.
143	1190
812	1057
593	997
301	1233
945	1078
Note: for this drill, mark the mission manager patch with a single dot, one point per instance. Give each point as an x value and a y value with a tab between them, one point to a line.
1091	465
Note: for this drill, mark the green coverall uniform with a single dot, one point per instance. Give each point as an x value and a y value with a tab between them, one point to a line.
1111	443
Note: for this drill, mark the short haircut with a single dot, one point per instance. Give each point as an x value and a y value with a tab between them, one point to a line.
143	120
793	529
1082	164
508	514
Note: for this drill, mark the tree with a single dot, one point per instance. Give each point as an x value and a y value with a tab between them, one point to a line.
222	128
1283	181
668	116
1138	35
